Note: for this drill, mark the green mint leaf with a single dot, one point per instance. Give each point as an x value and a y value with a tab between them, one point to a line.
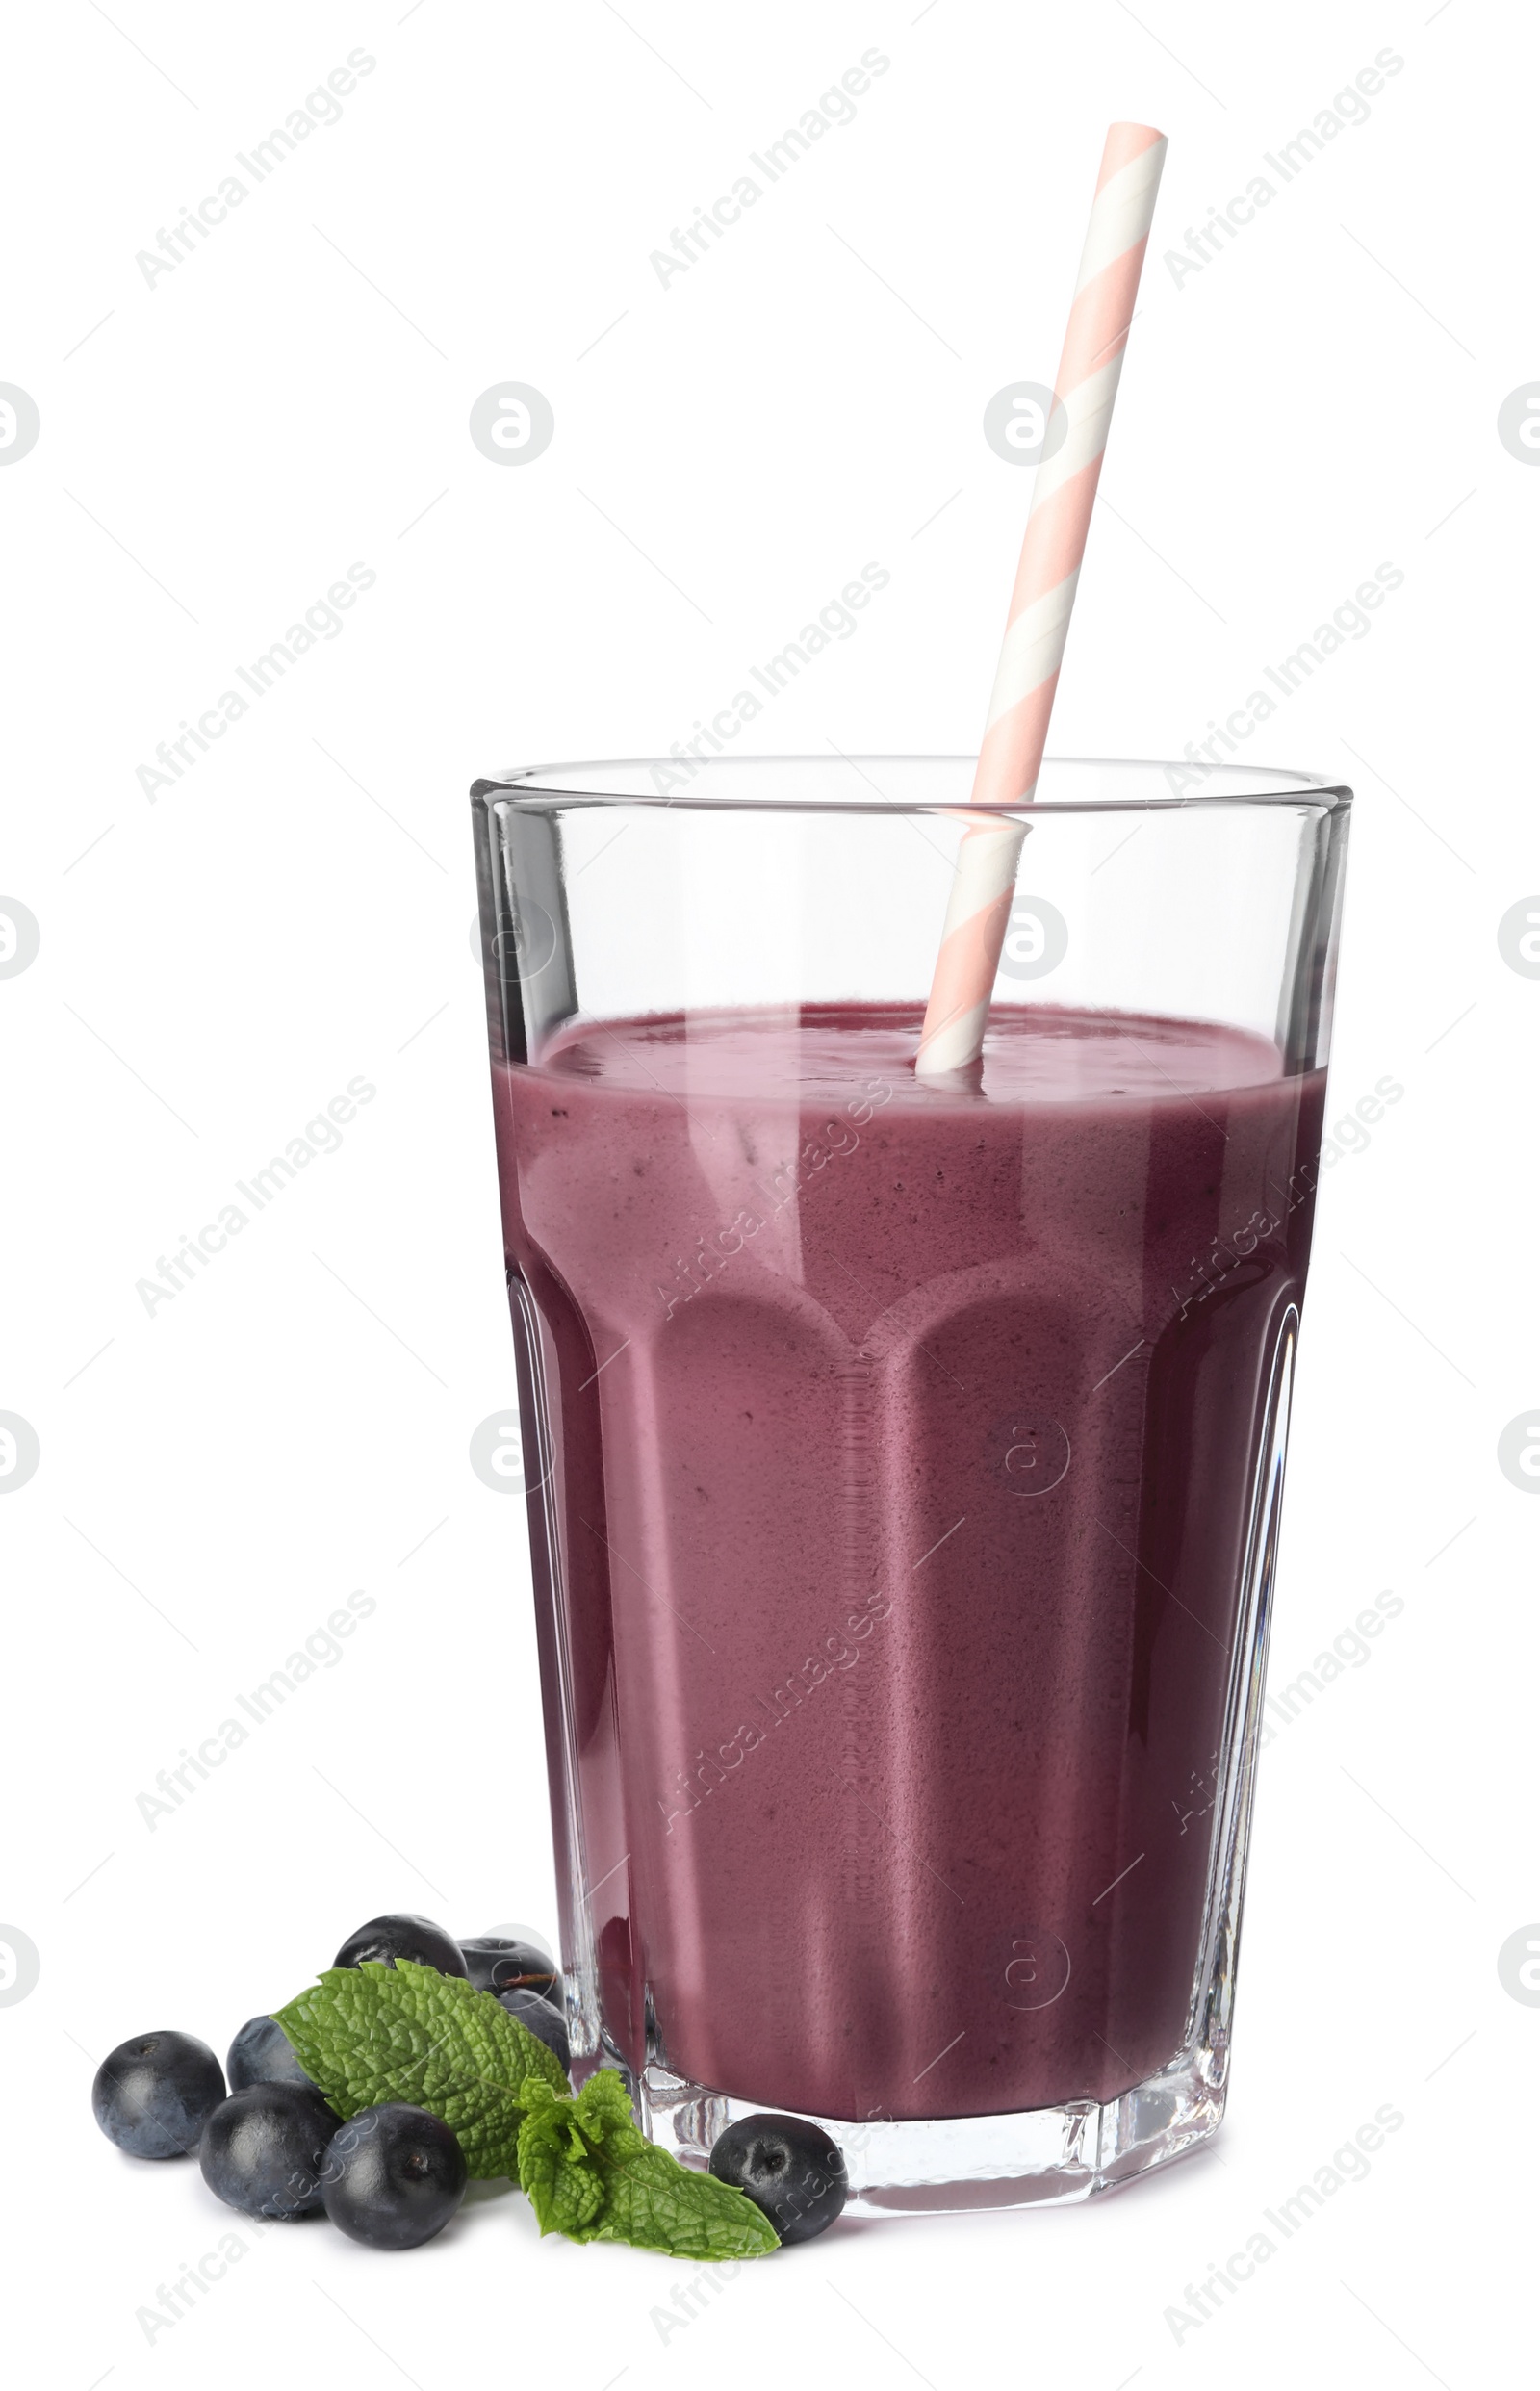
406	2033
649	2199
603	2106
566	2189
655	2203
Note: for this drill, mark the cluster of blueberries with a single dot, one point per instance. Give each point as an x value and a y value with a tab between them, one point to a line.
394	2175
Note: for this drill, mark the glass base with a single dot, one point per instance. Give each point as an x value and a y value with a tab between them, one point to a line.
1026	2159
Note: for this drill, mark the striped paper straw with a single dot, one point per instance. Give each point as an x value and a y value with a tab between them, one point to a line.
1062	496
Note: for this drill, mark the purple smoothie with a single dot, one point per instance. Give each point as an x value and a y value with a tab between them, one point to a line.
900	1440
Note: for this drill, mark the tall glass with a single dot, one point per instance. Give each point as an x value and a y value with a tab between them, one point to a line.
904	1456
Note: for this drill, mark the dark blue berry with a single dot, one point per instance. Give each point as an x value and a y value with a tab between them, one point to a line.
498	1964
154	2095
787	2167
261	2054
543	2020
402	1936
394	2177
264	2149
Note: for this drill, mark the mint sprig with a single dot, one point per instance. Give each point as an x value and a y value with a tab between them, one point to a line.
406	2033
555	2163
371	2034
592	2175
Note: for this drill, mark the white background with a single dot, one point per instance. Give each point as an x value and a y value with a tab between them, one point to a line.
216	449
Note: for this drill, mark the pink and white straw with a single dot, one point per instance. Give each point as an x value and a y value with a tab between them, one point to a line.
1063	493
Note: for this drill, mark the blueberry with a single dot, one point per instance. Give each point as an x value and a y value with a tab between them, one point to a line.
500	1964
262	2054
543	2020
264	2149
394	2177
787	2167
402	1936
154	2095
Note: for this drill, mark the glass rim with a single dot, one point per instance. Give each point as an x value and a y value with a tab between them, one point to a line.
581	785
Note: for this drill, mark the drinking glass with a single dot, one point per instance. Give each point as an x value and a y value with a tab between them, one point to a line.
904	1456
